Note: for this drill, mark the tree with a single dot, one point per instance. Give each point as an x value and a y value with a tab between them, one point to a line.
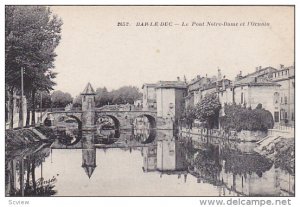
239	118
126	94
103	97
43	100
61	99
77	102
189	115
31	35
207	110
123	95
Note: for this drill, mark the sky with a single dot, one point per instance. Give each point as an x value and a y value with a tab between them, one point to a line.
94	49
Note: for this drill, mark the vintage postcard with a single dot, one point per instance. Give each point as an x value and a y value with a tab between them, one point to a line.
150	101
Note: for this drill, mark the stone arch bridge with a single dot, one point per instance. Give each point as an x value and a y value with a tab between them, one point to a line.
122	119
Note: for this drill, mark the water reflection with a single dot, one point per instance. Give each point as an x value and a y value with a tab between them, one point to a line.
245	173
24	173
108	130
88	153
170	165
68	130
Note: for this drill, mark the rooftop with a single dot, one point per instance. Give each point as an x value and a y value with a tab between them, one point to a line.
149	85
171	84
88	90
256	83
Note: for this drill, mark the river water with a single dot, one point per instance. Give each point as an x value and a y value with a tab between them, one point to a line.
167	166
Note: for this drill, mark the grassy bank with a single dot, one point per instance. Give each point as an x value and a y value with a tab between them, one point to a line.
281	150
24	138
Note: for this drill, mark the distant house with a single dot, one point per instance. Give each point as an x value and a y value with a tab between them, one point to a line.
149	95
138	103
257	91
285	77
271	87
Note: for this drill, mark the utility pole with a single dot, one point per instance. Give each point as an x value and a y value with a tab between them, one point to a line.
21	117
41	117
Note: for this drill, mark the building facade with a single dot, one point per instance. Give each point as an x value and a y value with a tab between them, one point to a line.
285	77
149	96
170	99
271	87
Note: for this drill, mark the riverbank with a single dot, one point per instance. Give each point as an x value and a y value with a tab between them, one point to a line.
242	136
279	149
24	138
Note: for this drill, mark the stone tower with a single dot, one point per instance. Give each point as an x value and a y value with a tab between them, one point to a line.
88	107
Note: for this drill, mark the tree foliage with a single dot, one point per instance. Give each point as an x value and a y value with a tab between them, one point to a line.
207	110
77	101
123	95
31	35
103	97
239	118
60	99
189	115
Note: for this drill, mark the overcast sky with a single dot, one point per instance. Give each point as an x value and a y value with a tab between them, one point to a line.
94	49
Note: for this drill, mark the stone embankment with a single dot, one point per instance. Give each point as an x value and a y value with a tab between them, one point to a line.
22	138
279	149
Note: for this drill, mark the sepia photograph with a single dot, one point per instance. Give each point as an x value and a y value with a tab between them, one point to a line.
150	101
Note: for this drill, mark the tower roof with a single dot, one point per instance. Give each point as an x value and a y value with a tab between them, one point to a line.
88	90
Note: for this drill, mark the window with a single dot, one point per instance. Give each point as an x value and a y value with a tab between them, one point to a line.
285	100
276	116
276	98
281	100
293	116
281	114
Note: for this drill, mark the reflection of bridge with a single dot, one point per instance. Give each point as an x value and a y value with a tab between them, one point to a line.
122	119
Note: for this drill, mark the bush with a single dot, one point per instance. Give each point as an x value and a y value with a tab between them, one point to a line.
239	118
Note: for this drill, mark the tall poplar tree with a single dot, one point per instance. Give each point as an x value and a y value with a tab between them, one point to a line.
31	35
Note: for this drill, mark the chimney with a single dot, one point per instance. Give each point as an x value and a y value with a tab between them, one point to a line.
256	69
241	73
281	66
178	78
259	67
198	77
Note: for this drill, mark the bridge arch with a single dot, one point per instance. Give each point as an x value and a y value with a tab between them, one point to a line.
68	135
151	120
150	132
116	121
